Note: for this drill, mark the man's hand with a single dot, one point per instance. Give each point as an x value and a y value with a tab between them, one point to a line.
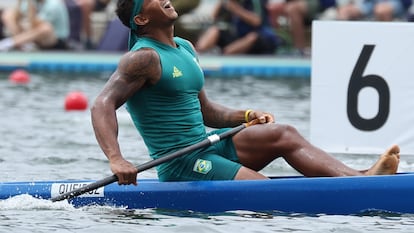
125	171
262	117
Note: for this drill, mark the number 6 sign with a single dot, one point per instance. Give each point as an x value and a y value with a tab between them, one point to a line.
362	86
356	84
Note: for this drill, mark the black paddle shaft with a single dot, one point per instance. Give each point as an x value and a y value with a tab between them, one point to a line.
150	164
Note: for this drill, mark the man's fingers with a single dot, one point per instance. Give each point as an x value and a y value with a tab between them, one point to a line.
266	118
126	179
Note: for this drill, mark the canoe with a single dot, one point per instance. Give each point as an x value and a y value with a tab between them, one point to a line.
322	195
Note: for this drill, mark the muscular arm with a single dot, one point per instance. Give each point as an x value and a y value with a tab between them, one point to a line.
219	116
135	70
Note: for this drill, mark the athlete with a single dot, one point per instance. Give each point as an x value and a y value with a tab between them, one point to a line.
161	83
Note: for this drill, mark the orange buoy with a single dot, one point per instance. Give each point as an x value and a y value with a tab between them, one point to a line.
76	101
19	76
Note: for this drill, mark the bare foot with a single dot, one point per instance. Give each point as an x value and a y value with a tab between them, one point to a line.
388	162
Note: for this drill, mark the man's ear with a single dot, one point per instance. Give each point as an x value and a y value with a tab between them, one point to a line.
140	20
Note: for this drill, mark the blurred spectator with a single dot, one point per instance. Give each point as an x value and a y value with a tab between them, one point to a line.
1	24
184	7
299	15
41	23
87	7
349	10
379	10
100	5
410	15
240	27
408	10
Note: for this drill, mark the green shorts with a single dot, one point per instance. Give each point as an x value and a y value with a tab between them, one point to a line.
217	162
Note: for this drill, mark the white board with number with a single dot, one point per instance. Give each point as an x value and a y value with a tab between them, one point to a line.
362	86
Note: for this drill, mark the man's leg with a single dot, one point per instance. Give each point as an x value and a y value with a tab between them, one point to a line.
208	39
241	45
259	145
43	35
10	22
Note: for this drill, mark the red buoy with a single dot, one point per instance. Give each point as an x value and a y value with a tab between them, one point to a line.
19	76
76	101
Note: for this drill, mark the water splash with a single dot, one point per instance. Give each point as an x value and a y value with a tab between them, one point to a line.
27	202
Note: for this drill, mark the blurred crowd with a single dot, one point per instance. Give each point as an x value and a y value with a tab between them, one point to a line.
48	24
229	26
294	17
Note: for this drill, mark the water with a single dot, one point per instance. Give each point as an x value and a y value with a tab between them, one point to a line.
41	141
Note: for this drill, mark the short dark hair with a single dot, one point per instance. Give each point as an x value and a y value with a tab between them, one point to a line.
124	10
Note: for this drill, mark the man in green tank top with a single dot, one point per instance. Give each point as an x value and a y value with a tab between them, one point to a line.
161	83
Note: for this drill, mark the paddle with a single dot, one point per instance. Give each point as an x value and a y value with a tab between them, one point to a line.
150	164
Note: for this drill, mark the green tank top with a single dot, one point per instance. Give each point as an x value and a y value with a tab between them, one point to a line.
168	114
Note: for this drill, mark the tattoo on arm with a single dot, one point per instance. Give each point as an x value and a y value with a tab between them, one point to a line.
135	71
142	65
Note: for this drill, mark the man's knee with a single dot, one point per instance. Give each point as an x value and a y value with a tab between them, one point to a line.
245	173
